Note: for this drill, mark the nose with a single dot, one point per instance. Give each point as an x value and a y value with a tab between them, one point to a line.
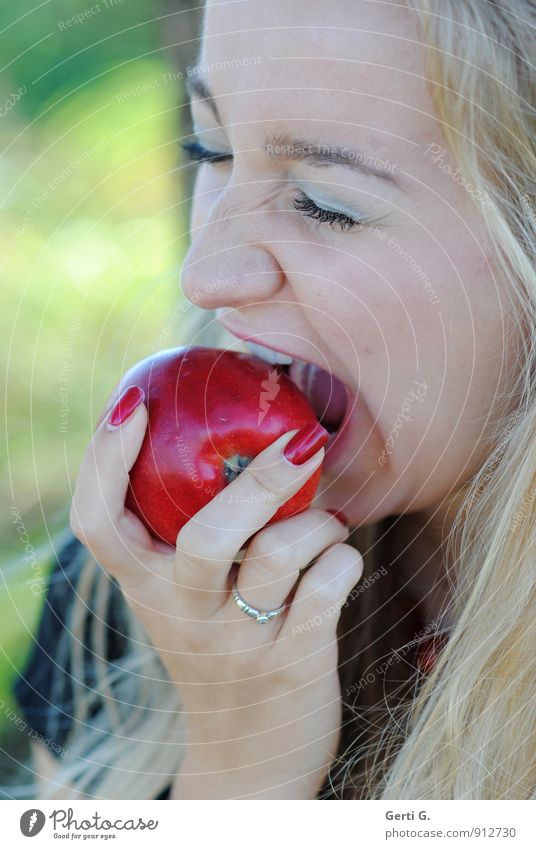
229	262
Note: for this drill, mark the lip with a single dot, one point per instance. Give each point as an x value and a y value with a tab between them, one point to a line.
337	440
247	338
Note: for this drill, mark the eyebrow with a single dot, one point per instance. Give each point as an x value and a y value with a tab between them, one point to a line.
283	148
197	87
315	153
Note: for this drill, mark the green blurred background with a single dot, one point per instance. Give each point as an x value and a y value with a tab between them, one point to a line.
92	232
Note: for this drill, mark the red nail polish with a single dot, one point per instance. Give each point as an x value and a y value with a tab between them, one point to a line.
304	444
125	406
340	516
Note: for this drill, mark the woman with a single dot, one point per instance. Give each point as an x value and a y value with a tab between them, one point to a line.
364	203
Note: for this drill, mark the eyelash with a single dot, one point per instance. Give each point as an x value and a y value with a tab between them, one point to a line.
310	209
303	204
197	153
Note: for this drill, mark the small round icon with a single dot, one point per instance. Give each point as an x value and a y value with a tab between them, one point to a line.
32	822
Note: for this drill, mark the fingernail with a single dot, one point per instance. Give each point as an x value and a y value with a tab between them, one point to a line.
125	406
340	516
304	444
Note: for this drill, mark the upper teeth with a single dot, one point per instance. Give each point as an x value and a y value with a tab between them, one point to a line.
268	355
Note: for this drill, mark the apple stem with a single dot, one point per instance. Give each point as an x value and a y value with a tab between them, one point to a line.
234	466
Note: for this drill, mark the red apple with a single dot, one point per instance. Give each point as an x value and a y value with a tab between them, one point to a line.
210	413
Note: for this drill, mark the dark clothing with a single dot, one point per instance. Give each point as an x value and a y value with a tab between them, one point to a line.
46	698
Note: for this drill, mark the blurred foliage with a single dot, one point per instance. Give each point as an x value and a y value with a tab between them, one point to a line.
55	47
92	224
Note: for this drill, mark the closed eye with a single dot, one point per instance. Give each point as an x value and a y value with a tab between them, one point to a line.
310	209
197	152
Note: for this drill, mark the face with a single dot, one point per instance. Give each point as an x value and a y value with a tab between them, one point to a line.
331	225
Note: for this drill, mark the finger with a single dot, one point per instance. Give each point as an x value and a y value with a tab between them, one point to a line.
98	516
278	553
320	595
110	404
208	543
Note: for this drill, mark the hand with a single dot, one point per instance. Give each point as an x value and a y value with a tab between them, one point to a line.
262	701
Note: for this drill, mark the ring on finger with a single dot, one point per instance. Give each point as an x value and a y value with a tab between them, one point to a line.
261	616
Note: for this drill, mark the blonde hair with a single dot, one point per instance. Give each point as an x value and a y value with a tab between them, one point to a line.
468	732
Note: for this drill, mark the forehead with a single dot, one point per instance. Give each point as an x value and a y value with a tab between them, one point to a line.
349	63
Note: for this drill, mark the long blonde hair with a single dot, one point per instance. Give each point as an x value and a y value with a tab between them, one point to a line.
469	730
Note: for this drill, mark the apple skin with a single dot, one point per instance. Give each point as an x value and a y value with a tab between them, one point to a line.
210	413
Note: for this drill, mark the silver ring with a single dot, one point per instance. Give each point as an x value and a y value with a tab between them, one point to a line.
262	616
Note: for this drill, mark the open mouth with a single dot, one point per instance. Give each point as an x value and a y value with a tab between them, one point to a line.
328	396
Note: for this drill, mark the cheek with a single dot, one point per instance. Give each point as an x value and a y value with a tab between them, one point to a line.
418	305
403	310
368	312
